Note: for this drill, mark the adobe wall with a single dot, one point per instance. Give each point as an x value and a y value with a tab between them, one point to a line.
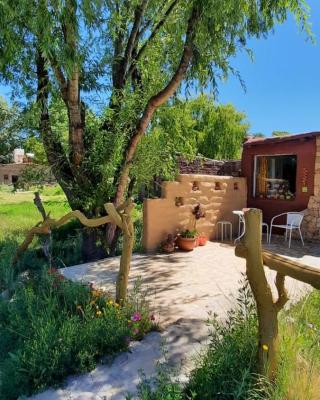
218	196
9	170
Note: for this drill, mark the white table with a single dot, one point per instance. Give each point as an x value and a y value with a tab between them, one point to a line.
240	214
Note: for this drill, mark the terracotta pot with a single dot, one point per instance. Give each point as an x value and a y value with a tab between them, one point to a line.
202	240
186	244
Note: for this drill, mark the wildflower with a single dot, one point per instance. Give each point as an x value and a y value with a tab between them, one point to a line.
136	316
110	302
99	313
265	347
97	307
116	304
152	317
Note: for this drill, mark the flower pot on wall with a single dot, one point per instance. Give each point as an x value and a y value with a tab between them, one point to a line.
186	244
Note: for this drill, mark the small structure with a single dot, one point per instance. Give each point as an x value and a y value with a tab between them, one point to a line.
217	195
283	174
9	173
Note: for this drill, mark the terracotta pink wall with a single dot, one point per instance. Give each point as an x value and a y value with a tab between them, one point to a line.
218	196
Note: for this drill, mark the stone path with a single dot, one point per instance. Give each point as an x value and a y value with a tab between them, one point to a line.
183	289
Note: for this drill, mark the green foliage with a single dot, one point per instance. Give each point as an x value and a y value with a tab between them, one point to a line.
98	45
9	136
189	234
185	129
53	327
226	370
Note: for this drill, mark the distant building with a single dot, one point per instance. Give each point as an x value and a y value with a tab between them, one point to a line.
9	173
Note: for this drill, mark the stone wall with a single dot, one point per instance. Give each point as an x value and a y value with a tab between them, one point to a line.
206	166
218	196
311	222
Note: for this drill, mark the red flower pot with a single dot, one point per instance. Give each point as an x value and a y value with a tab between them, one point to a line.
202	240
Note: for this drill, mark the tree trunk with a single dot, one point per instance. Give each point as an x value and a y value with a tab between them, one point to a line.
90	250
153	104
125	261
267	308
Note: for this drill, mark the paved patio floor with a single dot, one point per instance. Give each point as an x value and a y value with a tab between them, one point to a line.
183	288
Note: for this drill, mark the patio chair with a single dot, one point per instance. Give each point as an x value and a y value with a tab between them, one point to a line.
293	221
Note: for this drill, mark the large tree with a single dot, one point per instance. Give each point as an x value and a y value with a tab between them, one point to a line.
131	56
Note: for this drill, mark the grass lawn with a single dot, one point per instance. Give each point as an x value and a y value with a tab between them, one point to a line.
18	214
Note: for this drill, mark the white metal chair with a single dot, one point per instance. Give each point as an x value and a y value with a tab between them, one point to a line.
293	221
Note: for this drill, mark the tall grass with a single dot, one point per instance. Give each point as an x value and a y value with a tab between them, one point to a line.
227	370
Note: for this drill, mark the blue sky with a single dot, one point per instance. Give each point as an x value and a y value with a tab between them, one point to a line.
283	81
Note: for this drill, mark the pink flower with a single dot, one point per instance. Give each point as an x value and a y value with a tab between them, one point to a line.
136	316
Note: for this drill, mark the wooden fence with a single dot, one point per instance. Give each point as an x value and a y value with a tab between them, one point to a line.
268	308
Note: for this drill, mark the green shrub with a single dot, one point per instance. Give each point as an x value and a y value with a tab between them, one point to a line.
226	370
53	327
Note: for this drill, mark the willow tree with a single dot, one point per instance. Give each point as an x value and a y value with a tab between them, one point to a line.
131	57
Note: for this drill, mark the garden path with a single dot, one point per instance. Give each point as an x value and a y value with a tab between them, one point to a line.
183	288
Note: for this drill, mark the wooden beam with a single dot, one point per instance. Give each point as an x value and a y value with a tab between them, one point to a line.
292	268
285	266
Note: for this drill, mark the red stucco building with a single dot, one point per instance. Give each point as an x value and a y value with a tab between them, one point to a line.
283	174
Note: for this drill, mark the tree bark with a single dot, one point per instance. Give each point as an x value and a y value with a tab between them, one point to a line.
267	308
126	255
55	153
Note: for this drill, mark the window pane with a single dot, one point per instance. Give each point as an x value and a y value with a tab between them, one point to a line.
276	177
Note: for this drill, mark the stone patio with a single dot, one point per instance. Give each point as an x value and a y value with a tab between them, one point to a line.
183	288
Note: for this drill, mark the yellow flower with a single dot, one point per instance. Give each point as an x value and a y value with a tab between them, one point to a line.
265	347
99	313
116	304
110	302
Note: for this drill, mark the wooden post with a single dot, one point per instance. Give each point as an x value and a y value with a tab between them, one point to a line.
267	308
126	255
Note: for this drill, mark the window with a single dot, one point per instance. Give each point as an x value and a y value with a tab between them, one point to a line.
275	177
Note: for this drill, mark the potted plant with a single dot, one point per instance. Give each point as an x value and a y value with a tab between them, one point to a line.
187	240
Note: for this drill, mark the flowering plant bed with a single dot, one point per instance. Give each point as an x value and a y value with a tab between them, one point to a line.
53	327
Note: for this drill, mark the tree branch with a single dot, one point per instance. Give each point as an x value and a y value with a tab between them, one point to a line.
54	150
154	32
282	292
155	102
